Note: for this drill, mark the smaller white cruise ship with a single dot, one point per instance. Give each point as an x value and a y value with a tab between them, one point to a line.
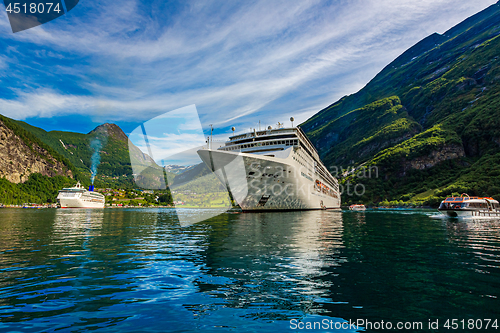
467	206
78	197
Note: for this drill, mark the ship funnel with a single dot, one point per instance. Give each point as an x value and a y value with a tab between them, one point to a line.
91	188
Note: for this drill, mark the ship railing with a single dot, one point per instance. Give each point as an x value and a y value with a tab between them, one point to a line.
261	133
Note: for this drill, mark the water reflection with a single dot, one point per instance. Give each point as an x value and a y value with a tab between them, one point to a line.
78	222
127	269
76	265
261	264
480	239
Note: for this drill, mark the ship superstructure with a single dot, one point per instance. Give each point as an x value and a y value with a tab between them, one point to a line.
78	197
273	169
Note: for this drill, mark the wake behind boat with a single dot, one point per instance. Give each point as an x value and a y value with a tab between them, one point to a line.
467	206
273	169
78	197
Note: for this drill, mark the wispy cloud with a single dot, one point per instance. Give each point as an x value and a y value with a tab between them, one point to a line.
131	61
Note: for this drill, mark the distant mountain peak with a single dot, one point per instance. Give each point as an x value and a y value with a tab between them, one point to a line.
112	130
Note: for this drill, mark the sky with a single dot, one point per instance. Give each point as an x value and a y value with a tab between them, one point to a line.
239	63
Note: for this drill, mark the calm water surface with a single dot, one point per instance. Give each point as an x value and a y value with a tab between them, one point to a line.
138	270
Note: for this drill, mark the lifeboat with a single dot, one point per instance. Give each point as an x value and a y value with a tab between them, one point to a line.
467	206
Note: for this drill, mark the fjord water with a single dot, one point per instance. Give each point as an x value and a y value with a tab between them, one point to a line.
139	270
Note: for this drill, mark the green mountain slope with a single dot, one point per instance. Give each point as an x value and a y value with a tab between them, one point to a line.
30	170
114	168
429	121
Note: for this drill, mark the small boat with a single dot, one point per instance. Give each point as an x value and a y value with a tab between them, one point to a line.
467	206
78	197
357	207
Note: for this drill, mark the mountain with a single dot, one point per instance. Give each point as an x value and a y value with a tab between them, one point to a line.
23	154
113	167
30	170
428	122
35	164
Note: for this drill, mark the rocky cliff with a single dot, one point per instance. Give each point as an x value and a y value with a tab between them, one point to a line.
21	157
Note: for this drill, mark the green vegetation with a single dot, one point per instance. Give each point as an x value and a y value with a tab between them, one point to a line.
37	189
114	169
441	134
362	131
434	139
31	139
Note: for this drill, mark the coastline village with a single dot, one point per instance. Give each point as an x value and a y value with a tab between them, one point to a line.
116	198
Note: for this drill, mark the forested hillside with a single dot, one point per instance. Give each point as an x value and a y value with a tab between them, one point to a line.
35	164
429	121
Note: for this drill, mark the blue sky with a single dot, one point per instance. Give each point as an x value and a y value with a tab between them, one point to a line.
128	61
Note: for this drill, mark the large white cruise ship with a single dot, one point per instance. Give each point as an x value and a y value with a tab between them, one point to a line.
273	169
78	197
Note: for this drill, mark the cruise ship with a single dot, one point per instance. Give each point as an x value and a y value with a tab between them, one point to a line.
275	169
78	197
467	206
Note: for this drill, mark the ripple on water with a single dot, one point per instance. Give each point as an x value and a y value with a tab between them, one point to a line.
125	270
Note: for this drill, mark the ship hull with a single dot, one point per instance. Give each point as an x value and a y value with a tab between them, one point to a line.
464	213
261	183
80	203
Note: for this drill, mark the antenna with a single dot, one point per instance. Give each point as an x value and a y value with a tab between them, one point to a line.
232	129
259	125
291	119
211	132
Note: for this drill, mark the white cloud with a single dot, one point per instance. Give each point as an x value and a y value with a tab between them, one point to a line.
134	62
